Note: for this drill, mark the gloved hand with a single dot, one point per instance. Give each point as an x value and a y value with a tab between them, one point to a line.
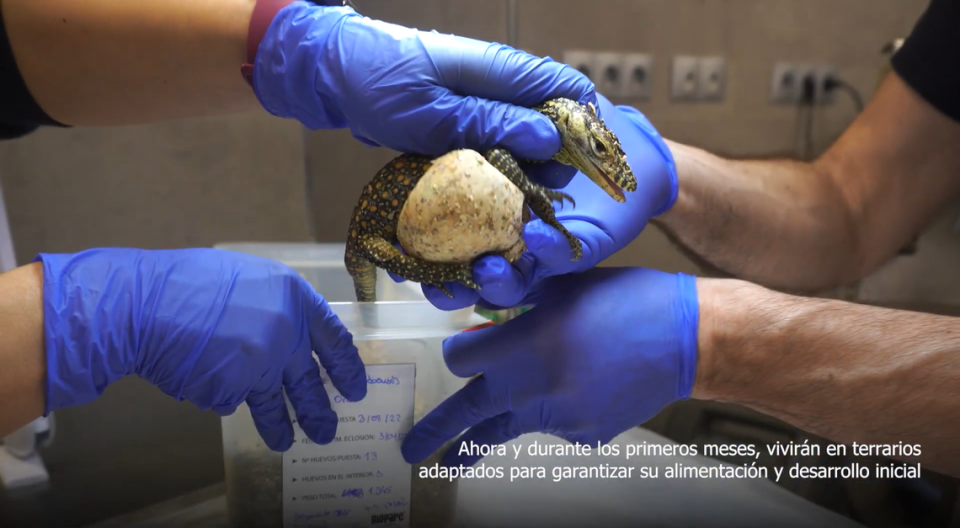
603	351
213	327
602	225
412	91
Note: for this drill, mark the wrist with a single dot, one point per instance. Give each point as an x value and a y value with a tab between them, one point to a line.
721	306
88	323
22	378
295	71
264	12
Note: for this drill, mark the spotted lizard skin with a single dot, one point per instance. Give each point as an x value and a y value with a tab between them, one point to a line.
371	242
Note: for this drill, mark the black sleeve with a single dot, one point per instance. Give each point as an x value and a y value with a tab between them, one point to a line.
19	112
929	60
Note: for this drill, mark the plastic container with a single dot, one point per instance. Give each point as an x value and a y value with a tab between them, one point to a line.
360	479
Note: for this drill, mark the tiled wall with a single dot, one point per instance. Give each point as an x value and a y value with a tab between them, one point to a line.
242	178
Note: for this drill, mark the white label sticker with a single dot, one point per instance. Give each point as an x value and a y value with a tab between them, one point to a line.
360	479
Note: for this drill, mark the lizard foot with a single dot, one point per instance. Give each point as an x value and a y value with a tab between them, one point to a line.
557	196
539	198
451	273
544	210
386	256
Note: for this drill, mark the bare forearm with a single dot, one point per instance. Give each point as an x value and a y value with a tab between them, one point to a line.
22	359
777	223
811	226
847	372
115	62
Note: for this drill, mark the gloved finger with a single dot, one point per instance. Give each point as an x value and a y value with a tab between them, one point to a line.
552	174
466	408
269	412
553	252
501	283
503	73
304	386
335	349
470	353
462	296
491	432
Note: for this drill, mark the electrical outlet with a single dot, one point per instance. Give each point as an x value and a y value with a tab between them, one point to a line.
685	78
824	72
580	60
785	87
787	82
804	71
711	78
638	75
609	79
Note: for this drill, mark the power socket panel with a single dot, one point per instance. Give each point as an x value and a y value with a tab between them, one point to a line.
582	61
711	78
638	76
787	82
685	79
609	78
822	95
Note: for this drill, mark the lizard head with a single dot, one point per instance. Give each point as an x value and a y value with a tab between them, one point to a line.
590	147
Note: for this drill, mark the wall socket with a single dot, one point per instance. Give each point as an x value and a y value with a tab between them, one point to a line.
638	76
581	60
712	78
685	79
698	78
609	79
787	82
615	74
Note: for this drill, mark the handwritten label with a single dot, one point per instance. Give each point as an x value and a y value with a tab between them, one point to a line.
360	479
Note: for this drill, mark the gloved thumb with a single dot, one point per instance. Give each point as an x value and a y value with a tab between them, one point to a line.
552	250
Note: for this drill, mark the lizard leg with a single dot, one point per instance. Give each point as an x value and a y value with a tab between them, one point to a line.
364	274
539	198
386	256
503	161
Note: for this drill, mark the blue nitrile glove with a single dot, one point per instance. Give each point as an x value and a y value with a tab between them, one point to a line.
212	327
603	225
602	352
409	90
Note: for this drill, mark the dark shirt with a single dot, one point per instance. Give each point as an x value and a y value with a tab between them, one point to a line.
19	112
928	61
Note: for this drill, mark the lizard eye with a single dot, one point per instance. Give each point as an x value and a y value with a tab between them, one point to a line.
598	147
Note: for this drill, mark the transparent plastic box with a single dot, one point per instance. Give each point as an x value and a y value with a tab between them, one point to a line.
298	488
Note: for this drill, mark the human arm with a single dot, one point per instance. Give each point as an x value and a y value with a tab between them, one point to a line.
812	226
215	328
22	365
327	66
844	371
104	63
612	347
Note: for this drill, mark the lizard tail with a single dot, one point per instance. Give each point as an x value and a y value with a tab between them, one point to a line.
364	275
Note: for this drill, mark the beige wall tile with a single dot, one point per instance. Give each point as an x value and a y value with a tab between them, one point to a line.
191	183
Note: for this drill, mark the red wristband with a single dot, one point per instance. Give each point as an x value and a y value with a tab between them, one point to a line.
263	14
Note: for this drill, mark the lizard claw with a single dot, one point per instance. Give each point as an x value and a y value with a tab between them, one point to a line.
557	196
